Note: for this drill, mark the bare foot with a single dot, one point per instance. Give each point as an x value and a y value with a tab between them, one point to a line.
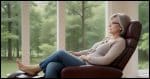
30	69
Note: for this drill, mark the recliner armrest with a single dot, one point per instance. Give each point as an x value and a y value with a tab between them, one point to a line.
90	71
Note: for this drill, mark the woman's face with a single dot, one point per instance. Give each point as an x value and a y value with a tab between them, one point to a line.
114	26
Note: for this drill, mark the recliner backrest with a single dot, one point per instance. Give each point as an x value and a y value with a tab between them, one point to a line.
131	36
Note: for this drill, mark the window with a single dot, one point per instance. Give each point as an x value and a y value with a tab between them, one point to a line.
10	35
144	39
42	30
85	24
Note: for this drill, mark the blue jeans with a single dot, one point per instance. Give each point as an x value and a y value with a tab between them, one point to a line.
53	65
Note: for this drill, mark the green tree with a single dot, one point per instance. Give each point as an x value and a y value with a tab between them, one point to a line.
10	25
43	26
35	26
83	23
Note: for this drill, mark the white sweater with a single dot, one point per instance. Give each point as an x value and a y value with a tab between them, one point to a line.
105	51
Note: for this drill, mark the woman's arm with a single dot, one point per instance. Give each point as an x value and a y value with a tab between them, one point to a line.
112	54
85	52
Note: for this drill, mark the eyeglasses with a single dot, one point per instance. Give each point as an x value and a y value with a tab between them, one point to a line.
114	23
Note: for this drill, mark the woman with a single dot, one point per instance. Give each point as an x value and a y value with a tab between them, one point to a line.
101	53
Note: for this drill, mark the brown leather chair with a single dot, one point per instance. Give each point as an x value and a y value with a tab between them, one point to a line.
113	70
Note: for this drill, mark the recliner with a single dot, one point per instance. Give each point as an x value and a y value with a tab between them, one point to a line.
113	70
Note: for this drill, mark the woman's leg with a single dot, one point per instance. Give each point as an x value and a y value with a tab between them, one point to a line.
60	56
63	57
53	70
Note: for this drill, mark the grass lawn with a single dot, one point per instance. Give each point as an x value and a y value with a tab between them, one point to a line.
7	68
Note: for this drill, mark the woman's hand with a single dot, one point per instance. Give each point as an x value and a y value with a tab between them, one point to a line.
85	57
76	53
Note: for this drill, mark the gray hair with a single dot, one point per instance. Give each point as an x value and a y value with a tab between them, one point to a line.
124	21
